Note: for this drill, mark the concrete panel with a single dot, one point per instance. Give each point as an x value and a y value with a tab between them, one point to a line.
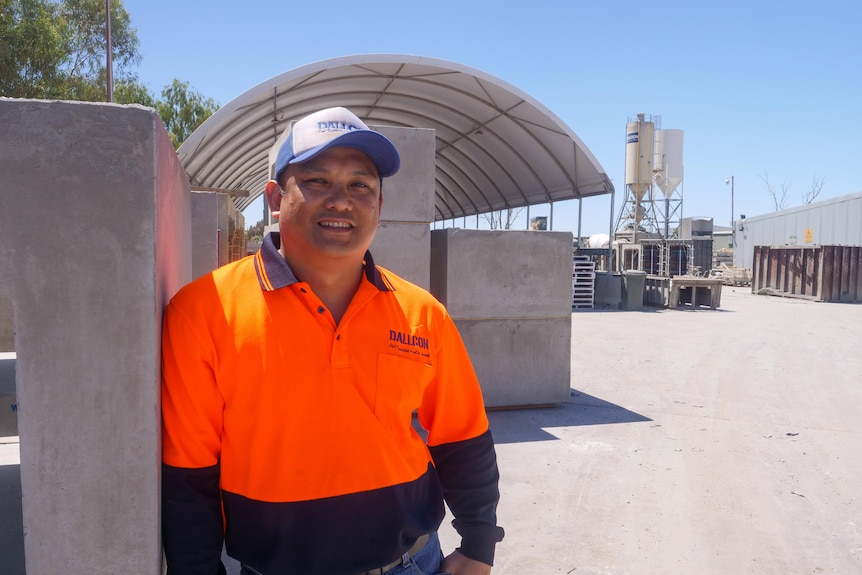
406	250
510	293
205	233
408	196
520	362
502	274
104	185
225	209
7	332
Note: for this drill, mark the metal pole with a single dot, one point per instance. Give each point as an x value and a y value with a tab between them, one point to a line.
732	212
611	238
108	65
580	216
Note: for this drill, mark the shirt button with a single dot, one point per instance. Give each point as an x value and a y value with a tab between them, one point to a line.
321	309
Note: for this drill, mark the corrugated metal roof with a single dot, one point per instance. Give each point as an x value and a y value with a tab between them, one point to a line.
496	146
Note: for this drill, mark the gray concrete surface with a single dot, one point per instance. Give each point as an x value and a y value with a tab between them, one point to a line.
205	233
403	240
708	442
510	294
93	241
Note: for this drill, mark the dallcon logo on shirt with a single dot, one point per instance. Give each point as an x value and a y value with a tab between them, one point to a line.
407	339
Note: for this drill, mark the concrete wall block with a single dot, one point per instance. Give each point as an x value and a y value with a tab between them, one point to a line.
502	274
408	196
608	291
105	189
206	240
7	329
405	250
520	361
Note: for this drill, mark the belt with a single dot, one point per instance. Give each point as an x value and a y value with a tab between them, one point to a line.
403	560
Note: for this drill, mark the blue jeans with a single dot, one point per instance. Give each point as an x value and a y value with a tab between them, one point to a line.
426	562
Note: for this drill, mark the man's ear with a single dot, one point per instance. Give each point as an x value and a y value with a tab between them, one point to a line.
272	191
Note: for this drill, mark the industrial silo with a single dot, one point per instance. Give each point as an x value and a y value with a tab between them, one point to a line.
668	177
635	212
640	136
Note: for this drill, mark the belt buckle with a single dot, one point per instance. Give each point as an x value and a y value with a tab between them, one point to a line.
404	560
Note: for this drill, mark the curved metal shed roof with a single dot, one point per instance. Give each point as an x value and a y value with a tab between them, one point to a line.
496	146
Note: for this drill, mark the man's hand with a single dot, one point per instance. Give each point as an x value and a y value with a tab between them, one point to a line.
457	564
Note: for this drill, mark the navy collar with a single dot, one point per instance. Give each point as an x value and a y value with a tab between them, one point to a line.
273	272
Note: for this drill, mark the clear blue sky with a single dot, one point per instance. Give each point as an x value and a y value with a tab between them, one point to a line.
758	86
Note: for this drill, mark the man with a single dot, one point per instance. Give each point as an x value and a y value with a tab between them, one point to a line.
289	383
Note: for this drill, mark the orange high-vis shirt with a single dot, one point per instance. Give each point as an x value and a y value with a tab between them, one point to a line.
309	424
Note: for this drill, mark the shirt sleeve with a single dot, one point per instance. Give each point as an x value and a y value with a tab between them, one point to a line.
192	527
192	407
462	447
469	475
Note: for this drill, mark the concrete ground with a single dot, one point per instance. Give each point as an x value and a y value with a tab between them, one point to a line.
708	442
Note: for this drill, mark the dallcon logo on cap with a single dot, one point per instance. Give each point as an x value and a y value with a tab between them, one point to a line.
336	127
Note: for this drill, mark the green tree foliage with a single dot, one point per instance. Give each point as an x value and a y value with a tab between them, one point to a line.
32	49
255	233
183	110
55	49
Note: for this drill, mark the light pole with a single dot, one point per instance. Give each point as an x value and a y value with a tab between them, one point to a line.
729	180
109	72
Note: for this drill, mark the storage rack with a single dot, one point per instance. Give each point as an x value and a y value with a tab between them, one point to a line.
583	282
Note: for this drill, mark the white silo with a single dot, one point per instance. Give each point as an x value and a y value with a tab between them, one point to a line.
668	177
668	160
639	156
636	215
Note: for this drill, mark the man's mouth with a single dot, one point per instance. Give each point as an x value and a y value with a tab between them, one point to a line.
340	225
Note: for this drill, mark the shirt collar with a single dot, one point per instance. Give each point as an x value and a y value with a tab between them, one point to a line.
273	272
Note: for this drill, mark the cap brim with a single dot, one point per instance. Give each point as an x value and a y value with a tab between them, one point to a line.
374	144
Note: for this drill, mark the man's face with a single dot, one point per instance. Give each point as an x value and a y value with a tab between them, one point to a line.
331	206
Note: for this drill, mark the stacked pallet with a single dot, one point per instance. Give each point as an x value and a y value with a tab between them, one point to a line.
734	276
583	282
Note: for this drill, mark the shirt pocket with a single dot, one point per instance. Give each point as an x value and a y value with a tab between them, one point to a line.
401	383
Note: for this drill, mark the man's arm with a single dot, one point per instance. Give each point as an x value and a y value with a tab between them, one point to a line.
192	408
469	475
192	528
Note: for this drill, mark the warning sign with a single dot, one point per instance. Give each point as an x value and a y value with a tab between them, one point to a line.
809	235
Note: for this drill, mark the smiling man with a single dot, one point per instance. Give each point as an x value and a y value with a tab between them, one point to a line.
288	402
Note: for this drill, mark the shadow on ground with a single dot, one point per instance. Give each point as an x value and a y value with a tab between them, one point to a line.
522	425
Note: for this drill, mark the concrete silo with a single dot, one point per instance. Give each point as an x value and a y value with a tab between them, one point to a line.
636	215
668	177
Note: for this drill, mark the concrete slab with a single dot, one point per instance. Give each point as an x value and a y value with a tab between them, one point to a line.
104	184
709	442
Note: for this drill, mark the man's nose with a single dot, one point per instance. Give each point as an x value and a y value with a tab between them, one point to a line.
339	196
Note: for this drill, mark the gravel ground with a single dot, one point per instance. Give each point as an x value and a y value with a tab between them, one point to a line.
709	442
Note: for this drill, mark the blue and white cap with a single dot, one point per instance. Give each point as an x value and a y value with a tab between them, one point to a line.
336	127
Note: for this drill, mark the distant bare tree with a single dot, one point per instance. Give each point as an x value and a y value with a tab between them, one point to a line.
779	197
496	220
816	188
